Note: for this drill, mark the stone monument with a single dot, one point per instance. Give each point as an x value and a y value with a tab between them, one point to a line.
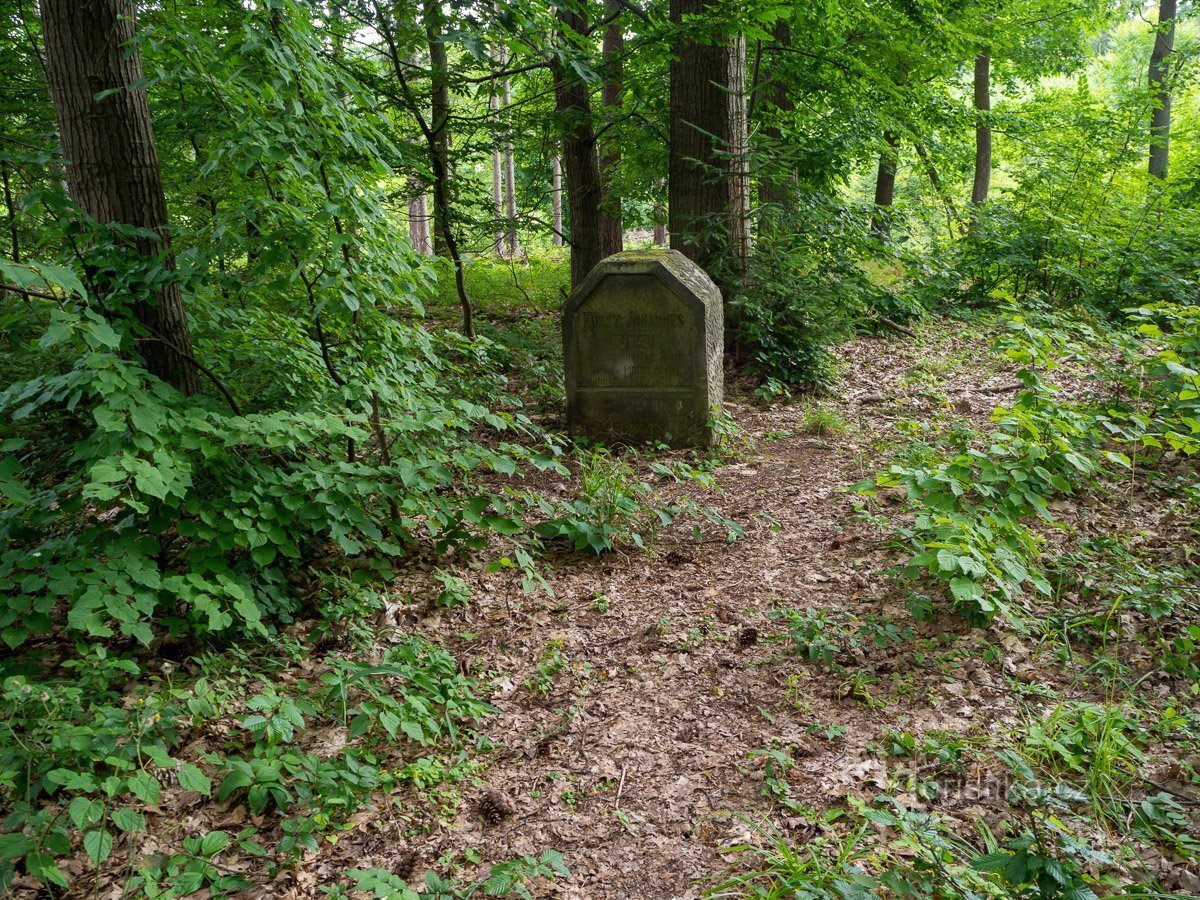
643	348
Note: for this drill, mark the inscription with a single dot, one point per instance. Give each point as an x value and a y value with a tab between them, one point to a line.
631	333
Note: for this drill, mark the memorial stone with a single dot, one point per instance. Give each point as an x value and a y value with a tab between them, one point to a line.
642	345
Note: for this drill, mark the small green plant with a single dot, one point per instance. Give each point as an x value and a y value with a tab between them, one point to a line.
614	508
816	634
828	732
507	879
455	592
822	420
899	743
550	662
778	760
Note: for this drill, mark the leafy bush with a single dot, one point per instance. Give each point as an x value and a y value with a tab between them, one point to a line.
81	756
803	292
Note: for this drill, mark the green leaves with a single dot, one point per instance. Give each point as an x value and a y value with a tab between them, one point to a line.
192	779
98	845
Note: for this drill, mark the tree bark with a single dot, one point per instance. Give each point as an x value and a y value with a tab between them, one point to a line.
983	132
660	214
497	172
95	71
699	184
10	209
418	219
439	120
885	190
556	190
739	156
939	188
510	179
579	154
611	222
436	133
1160	88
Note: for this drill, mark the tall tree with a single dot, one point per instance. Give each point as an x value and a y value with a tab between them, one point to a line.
510	175
556	210
699	183
434	18
885	189
739	155
584	192
94	70
497	167
418	219
1160	88
610	154
435	130
983	131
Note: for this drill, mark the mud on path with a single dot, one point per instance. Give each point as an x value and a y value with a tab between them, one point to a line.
630	704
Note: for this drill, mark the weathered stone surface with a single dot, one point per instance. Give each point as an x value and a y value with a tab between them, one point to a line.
643	343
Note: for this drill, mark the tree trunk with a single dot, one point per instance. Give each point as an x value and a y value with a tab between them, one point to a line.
699	188
983	132
775	188
510	179
579	154
939	188
418	219
739	156
660	214
1160	88
611	223
885	190
497	173
556	200
439	120
95	74
10	209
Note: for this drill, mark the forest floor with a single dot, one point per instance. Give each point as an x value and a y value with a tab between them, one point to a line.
656	712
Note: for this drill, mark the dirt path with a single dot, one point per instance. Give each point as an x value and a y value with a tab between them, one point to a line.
635	755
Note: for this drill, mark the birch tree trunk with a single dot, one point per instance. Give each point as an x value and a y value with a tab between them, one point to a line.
739	156
418	220
556	211
510	176
497	173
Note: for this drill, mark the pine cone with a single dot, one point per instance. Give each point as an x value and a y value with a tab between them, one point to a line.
748	636
495	806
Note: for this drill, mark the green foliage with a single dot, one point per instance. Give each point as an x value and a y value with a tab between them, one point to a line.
969	512
803	292
507	879
921	858
828	639
615	507
77	759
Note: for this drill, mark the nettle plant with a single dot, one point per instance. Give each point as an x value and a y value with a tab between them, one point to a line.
969	512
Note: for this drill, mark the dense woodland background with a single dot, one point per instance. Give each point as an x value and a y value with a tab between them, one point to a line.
278	288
